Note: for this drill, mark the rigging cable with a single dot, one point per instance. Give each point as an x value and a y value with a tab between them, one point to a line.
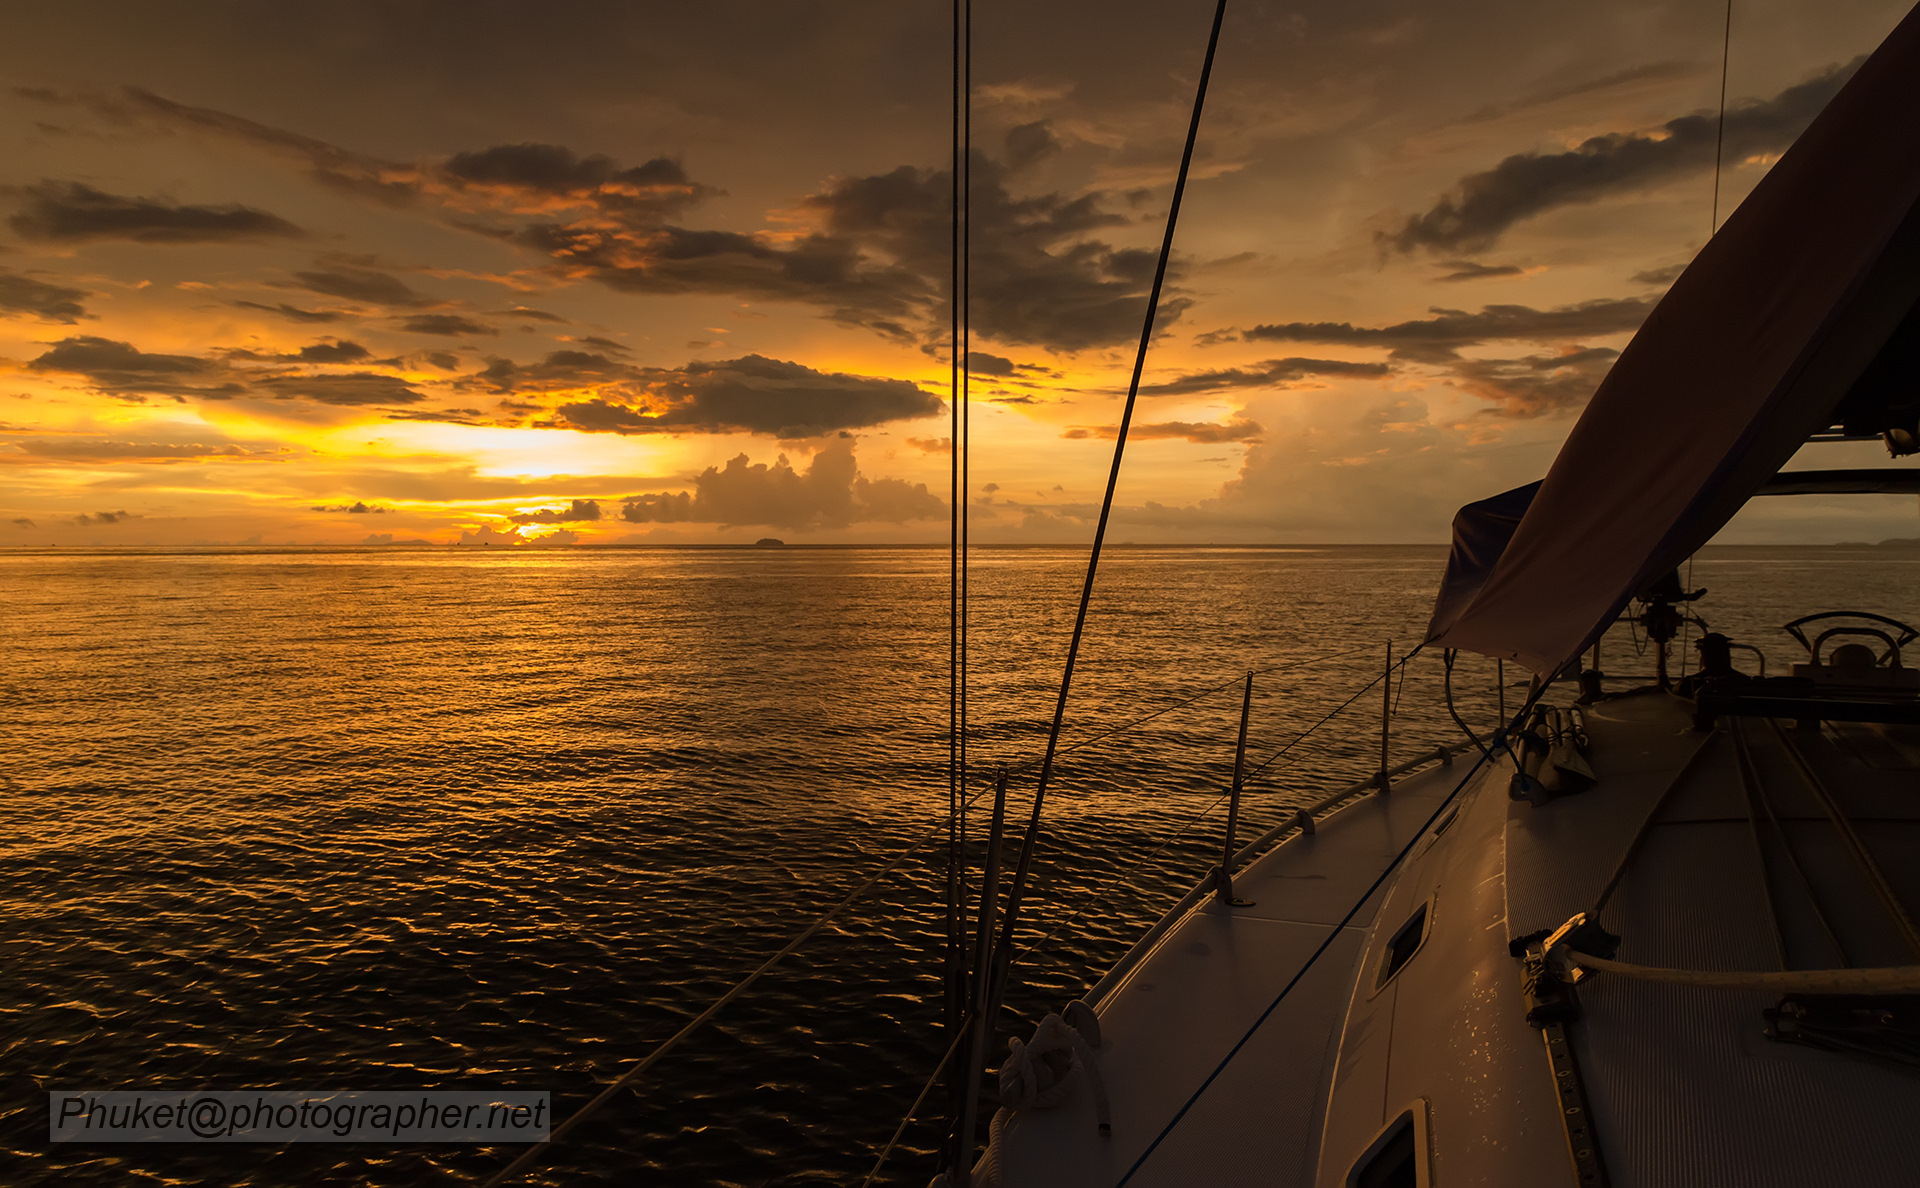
960	180
1720	129
1015	893
1713	229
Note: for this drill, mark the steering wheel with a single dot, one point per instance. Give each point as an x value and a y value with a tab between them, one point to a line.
1888	659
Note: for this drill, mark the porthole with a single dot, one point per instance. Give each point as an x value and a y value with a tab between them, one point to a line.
1397	1157
1404	943
1433	835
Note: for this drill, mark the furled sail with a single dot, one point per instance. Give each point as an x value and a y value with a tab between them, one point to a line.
1750	352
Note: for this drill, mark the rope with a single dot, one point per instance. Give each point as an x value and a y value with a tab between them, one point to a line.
1038	1075
1898	979
1028	1080
1018	889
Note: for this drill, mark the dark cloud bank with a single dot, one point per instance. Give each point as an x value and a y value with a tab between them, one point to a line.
580	511
751	394
69	212
20	294
1439	337
356	508
1556	380
1270	373
1486	204
120	369
1043	273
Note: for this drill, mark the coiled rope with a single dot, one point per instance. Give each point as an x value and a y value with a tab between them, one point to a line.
1038	1075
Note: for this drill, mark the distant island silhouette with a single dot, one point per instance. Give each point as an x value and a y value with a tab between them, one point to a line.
769	540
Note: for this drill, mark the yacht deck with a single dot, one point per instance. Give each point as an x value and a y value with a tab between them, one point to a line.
1184	1006
1743	867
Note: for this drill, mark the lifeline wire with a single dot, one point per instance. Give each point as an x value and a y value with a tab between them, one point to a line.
1408	659
528	1157
1211	805
1332	935
1197	696
1525	708
1183	830
1016	891
1044	941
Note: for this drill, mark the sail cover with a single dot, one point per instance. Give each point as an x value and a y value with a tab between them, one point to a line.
1481	532
1749	353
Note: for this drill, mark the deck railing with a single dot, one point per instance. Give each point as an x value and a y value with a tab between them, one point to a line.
1216	876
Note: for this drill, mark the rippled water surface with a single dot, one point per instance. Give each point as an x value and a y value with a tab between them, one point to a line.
366	820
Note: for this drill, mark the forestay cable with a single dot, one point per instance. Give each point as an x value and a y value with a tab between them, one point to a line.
1014	895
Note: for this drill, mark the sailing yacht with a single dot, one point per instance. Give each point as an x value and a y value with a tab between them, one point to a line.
1662	935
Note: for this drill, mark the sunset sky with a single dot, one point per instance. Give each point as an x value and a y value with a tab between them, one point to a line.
674	272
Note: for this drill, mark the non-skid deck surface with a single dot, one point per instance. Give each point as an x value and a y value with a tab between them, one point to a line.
1184	1007
1684	1087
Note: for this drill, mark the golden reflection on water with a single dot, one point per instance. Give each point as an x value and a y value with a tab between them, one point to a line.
439	819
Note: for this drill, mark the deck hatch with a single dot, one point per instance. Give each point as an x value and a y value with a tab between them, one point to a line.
1397	1157
1405	943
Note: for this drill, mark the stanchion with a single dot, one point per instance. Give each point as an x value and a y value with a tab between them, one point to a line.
1223	890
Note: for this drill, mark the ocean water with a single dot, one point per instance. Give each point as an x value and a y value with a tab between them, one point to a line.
445	819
